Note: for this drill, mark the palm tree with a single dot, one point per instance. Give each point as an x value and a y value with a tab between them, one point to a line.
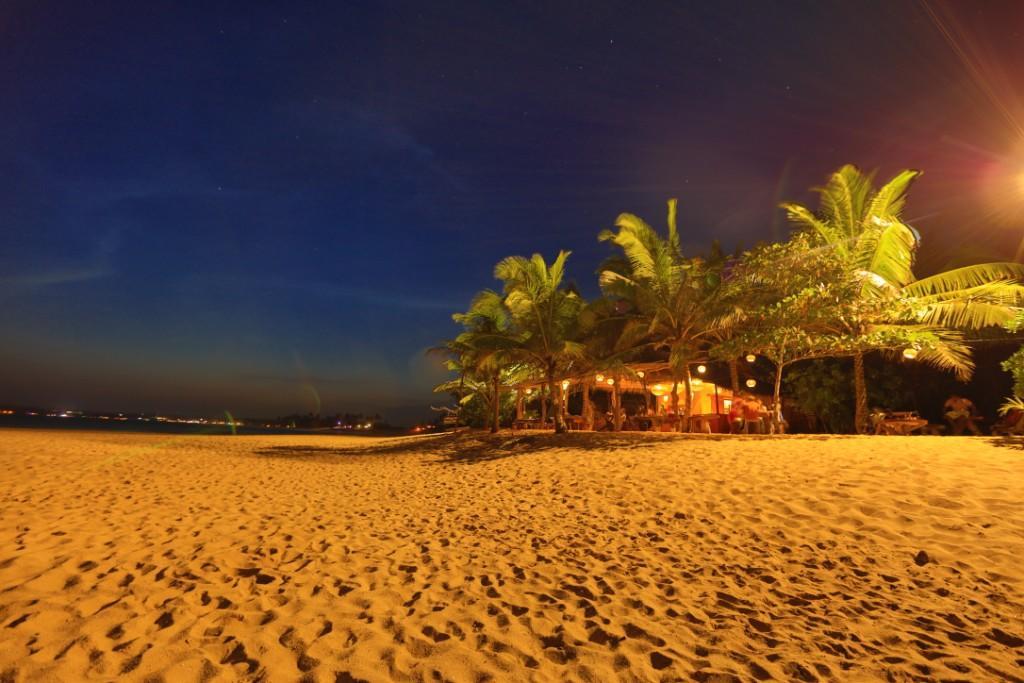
864	227
545	316
673	299
482	354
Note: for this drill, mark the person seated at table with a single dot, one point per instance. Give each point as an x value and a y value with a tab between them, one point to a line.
961	414
753	414
736	422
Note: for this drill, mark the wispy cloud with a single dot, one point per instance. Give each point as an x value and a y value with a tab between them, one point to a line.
57	276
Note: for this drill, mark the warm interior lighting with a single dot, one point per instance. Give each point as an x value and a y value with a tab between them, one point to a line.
910	353
751	383
665	398
751	358
702	369
696	382
529	391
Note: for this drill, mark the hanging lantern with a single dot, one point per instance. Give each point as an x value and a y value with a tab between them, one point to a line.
609	381
910	353
600	378
751	358
702	369
751	383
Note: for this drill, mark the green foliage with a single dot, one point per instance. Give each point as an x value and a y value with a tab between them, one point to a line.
671	302
477	412
842	286
820	388
1015	366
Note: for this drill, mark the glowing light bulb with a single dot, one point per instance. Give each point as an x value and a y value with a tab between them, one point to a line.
610	381
640	374
751	383
600	378
565	384
751	358
702	369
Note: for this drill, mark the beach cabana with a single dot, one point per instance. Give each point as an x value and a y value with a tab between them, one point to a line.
654	412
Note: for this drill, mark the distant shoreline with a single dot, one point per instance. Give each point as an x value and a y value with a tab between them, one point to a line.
161	427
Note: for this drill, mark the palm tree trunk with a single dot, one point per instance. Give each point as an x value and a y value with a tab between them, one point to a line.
734	376
687	401
776	398
543	407
588	408
497	404
556	405
860	387
675	403
519	404
616	408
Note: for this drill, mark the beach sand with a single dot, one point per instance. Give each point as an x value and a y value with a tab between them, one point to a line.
584	557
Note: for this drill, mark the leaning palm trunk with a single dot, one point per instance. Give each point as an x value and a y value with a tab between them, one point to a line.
860	417
734	376
497	404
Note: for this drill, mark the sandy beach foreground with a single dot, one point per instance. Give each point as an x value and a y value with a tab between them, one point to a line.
586	557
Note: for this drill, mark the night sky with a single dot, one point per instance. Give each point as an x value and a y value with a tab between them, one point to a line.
213	206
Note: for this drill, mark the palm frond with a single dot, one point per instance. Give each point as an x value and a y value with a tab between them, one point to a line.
888	251
803	217
891	197
843	199
966	315
968	276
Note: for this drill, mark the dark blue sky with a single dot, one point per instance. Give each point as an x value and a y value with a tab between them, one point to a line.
210	206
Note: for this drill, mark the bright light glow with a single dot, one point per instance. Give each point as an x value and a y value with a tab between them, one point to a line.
565	384
640	374
751	383
610	381
696	382
702	369
751	358
665	398
600	378
910	353
529	391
